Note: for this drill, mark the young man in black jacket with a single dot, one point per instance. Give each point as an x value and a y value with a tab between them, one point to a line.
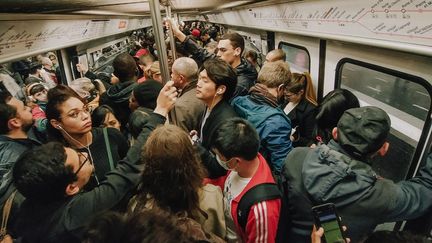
51	178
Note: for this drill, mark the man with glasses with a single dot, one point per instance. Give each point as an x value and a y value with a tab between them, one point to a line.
51	178
261	108
230	49
235	143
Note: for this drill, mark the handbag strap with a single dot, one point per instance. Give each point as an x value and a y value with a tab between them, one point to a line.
6	211
108	148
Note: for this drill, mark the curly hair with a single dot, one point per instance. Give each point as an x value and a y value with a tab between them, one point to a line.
172	172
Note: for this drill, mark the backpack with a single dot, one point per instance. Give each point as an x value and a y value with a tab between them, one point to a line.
10	204
264	192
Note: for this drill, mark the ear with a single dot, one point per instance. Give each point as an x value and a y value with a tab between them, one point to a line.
237	51
54	123
384	148
280	88
72	189
334	133
14	123
301	92
221	89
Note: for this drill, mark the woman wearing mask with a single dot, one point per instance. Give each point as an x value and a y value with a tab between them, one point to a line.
69	122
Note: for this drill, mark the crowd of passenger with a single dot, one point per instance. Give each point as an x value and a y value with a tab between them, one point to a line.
122	156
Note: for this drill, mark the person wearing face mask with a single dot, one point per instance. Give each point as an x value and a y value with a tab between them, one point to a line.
261	108
235	144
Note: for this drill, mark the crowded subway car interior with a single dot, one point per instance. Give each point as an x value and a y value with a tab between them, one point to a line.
215	121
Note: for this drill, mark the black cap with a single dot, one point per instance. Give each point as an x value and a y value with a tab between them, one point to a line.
362	131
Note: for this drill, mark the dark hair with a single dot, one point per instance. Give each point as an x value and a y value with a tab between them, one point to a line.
7	112
146	93
334	104
5	95
56	97
303	81
221	73
36	88
395	237
145	226
125	67
99	114
41	175
137	120
34	66
252	54
236	137
235	39
179	193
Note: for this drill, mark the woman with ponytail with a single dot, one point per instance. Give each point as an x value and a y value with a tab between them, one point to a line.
301	108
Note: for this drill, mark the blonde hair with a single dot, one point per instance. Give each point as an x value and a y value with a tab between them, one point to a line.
303	81
152	70
273	74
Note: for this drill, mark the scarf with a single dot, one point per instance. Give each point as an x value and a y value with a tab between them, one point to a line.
260	94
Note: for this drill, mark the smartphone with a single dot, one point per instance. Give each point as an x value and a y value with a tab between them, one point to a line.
325	216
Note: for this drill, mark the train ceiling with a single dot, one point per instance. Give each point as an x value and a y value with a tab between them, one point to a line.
117	7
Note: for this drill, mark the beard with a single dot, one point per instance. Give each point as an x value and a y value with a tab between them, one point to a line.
27	126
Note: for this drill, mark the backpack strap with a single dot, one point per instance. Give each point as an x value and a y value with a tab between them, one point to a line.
6	211
258	193
108	148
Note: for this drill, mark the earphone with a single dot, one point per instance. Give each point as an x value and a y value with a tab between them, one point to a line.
219	91
59	127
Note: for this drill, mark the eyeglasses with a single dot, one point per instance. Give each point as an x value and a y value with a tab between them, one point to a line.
82	157
290	95
85	110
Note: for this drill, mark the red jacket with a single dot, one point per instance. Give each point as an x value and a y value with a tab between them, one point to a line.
263	217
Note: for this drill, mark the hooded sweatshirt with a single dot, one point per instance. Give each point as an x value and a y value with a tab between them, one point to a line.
117	97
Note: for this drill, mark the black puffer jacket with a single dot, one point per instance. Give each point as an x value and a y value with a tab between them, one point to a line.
246	78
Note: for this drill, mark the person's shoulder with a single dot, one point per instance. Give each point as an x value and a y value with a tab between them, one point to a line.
114	132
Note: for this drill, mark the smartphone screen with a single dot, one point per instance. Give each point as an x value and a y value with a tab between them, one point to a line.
326	217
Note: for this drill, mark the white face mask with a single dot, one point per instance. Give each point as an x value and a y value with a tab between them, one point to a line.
222	163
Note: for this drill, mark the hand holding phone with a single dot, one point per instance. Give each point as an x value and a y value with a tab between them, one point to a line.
325	216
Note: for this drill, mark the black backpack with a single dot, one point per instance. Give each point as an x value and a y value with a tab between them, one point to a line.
264	192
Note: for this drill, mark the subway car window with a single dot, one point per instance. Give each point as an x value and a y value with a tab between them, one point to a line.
406	98
297	57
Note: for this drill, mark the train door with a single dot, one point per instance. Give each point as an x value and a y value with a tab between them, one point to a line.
396	82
